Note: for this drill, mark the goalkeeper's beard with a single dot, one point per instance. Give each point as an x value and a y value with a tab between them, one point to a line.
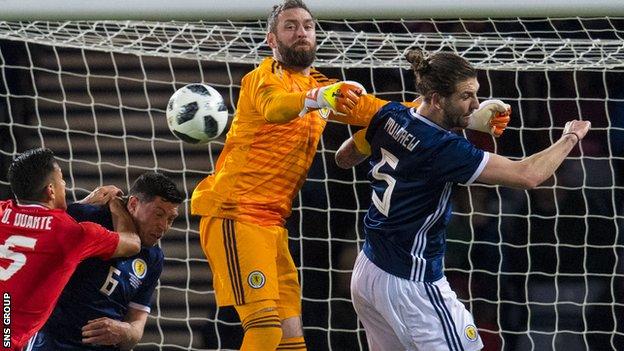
291	57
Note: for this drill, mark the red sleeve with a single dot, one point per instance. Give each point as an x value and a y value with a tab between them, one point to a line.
98	241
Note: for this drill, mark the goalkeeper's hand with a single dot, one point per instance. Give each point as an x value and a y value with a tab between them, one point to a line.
340	97
491	117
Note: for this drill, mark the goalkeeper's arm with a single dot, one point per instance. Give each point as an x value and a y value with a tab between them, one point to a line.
281	107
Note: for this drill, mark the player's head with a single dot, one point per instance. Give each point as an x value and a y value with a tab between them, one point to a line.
35	176
153	203
447	82
292	34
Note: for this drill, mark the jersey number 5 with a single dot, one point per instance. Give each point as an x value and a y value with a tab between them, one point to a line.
18	258
383	204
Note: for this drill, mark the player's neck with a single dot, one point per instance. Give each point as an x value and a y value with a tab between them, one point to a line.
434	115
296	69
305	71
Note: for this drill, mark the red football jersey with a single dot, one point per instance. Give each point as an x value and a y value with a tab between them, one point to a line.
39	250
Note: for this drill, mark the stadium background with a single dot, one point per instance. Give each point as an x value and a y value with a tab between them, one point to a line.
540	269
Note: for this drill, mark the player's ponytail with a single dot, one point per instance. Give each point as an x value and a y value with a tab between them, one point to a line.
438	73
418	61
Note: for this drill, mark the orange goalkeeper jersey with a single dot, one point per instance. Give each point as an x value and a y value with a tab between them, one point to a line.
264	164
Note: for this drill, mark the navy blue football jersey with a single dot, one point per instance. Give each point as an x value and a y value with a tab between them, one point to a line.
100	289
415	164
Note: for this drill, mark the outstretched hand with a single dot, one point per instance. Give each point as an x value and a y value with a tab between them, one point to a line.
340	97
576	127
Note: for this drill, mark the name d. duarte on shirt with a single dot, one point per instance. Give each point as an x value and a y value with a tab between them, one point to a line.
400	135
22	220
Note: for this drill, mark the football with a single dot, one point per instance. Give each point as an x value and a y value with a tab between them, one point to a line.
196	113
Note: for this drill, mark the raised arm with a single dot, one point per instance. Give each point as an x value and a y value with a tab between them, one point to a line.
280	106
535	169
129	241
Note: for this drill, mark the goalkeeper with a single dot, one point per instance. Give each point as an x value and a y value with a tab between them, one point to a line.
282	110
398	286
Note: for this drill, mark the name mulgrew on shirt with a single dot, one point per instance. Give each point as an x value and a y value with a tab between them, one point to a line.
401	135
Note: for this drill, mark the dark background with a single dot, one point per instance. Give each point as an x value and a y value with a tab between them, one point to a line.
539	269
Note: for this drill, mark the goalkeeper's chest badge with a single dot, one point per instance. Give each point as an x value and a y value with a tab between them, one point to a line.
324	112
256	279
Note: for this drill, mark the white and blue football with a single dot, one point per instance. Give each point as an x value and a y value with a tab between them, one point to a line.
196	113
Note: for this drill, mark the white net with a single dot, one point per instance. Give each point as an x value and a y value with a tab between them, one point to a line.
539	269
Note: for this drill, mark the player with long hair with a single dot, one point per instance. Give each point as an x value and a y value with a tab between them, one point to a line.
398	285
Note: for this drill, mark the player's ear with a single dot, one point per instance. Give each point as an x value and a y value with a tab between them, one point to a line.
436	101
271	40
48	193
133	202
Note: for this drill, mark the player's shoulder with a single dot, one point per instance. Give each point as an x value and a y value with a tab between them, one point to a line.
77	209
6	204
393	106
152	255
400	114
268	66
85	212
150	259
320	78
269	70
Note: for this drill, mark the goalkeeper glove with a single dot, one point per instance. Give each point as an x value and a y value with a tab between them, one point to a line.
340	97
491	117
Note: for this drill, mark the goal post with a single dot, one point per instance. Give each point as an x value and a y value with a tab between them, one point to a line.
193	10
539	269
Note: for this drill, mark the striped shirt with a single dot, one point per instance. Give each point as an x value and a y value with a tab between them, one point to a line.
263	164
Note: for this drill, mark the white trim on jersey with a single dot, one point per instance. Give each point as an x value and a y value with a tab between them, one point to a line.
30	343
426	120
477	173
420	239
31	205
139	307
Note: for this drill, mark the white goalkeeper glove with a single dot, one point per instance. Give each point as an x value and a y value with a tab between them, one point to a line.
491	117
340	97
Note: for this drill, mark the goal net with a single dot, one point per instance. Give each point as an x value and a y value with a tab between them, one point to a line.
539	269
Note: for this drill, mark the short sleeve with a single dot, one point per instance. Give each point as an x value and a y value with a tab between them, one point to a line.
458	161
361	144
143	298
97	241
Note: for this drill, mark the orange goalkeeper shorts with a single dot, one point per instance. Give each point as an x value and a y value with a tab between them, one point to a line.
250	263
